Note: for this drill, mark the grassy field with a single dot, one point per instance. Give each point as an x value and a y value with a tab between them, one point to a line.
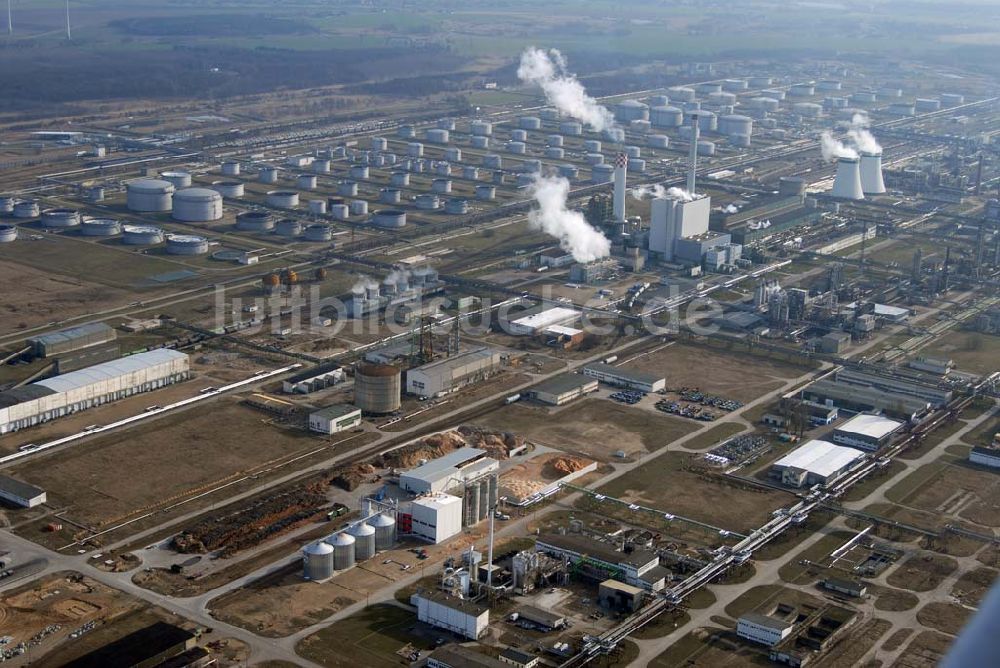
974	352
368	638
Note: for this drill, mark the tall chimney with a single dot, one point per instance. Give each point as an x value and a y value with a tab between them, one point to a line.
621	172
871	173
69	32
847	184
693	154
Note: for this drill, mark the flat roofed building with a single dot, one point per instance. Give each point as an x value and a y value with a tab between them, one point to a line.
453	372
563	388
519	658
144	648
638	568
436	517
985	457
537	322
868	432
616	595
71	338
627	378
854	588
460	656
864	399
458	615
815	462
763	629
544	618
908	387
21	493
334	419
443	473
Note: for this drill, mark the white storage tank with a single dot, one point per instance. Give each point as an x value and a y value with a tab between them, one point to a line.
529	123
666	117
518	135
480	128
379	143
321	166
492	161
720	99
437	136
197	205
658	100
707	88
486	192
8	233
340	211
385	532
569	171
317	562
764	104
592	146
282	199
179	178
761	81
100	227
471	173
230	168
681	94
707	121
807	109
594	158
735	85
456	206
347	189
633	151
616	135
554	153
442	168
658	141
453	154
288	227
389	196
571	128
602	173
359	207
343	550
415	149
829	85
517	147
231	189
637	165
446	123
306	181
400	179
318	232
641	127
57	218
531	166
391	218
549	114
317	207
186	244
26	208
480	142
254	221
6	205
706	147
736	124
740	141
427	202
802	90
150	195
141	235
267	174
555	140
773	93
441	186
406	132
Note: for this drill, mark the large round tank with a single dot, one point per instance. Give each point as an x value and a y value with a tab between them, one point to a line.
529	122
254	221
377	388
385	532
399	179
406	132
456	206
389	218
555	140
226	189
321	166
709	87
317	561
150	195
441	186
197	205
180	179
736	124
436	136
446	123
631	110
707	121
735	85
230	168
470	172
318	232
592	146
288	227
282	199
807	109
681	94
317	207
389	196
427	202
306	181
633	151
637	165
267	175
572	128
773	93
6	205
568	171
480	142
340	211
658	100
594	159
8	233
100	227
481	128
555	153
486	192
764	104
602	173
58	218
359	171
453	154
358	207
658	141
442	168
186	244
364	541
141	235
343	550
722	99
347	188
379	143
802	90
519	135
517	147
415	149
706	147
492	161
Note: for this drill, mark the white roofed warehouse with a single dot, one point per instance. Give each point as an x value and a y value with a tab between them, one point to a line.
815	462
55	397
868	432
20	493
563	388
627	378
451	373
451	470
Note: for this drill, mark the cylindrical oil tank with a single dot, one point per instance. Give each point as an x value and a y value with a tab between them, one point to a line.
358	207
340	211
306	181
377	388
389	159
555	140
658	141
802	90
709	87
399	179
347	189
681	94
637	165
415	149
592	146
555	153
338	152
141	235
740	141
389	196
26	208
602	173
519	135
442	168
691	106
480	142
773	93
150	195
343	550
764	104
321	166
453	154
617	135
902	109
230	168
418	166
364	541
179	178
807	109
791	186
568	171
317	562
707	121
456	206
318	232
471	173
385	532
406	132
594	158
8	233
658	101
721	99
531	166
835	102
186	244
735	85
736	124
379	143
706	147
6	205
890	92
630	110
633	151
441	186
197	205
446	123
486	192
254	221
317	207
437	136
571	128
390	218
529	122
288	227
267	174
492	161
230	189
761	81
282	199
58	218
518	147
524	180
481	128
100	227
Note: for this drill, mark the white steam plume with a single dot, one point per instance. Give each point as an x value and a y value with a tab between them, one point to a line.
680	193
575	234
656	190
562	89
363	282
833	148
731	208
861	137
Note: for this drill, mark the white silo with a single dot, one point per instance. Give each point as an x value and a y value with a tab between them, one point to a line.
379	143
847	184
197	205
317	562
267	174
364	537
343	550
150	195
230	168
871	173
385	532
180	179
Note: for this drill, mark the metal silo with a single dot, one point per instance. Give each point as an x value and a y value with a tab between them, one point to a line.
150	195
254	221
364	541
141	235
8	233
317	562
59	218
197	205
180	179
318	232
385	532
229	168
282	199
377	388
343	550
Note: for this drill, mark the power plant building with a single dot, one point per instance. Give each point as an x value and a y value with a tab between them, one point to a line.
458	615
70	339
444	473
334	419
674	218
451	373
638	568
435	517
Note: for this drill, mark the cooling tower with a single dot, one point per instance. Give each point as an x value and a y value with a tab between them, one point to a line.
847	184
871	174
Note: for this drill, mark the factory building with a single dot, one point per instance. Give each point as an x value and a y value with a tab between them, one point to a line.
555	257
762	629
858	398
20	493
591	272
451	470
48	399
638	568
985	457
901	386
814	462
451	373
563	388
867	432
460	656
627	378
537	322
619	596
674	218
334	419
434	518
70	339
458	615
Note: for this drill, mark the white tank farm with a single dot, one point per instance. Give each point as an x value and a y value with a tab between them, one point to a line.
100	227
399	179
141	235
736	124
517	147
471	173
318	233
8	233
681	94
602	173
150	195
197	205
529	123
658	141
230	168
415	149
389	196
441	186
708	88
343	550
706	147
571	128
735	85
179	178
453	154
391	218
306	181
359	207
658	100
58	218
437	136
254	221
230	189
555	153
385	532
594	159
26	208
427	202
807	109
592	146
267	174
364	541
288	227
186	244
456	206
480	142
480	128
569	171
6	205
347	188
446	123
633	151
282	199
317	207
637	165
486	192
406	132
321	166
317	562
442	168
379	143
519	135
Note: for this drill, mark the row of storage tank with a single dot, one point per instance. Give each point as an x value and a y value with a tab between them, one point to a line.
342	550
132	235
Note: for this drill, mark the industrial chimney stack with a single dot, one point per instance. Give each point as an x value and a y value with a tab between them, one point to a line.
871	173
693	154
847	184
621	172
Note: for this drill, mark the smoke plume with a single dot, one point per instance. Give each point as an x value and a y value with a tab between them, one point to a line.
860	135
364	281
833	148
731	208
575	234
658	191
562	89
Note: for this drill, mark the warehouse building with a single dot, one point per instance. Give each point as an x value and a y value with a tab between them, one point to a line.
638	568
539	322
868	432
815	462
434	518
451	373
458	615
906	387
460	656
148	647
627	378
454	469
70	339
860	399
985	457
563	388
762	629
334	419
619	596
55	397
21	493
